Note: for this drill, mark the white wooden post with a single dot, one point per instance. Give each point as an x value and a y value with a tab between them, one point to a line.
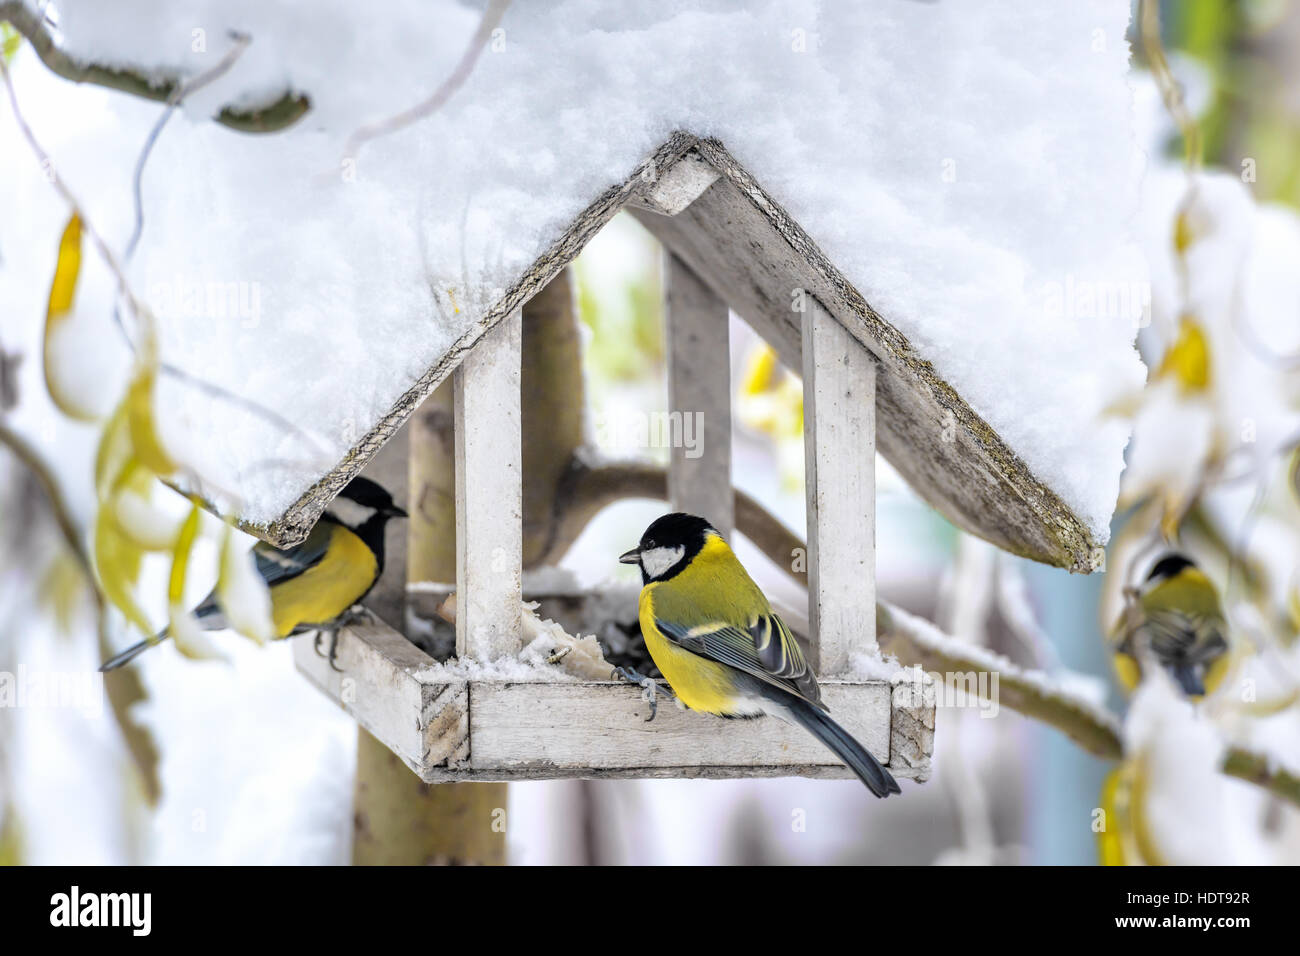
699	391
489	495
839	402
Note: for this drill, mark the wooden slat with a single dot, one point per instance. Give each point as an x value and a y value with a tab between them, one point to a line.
388	597
740	241
379	682
489	496
671	191
699	396
458	730
598	726
839	401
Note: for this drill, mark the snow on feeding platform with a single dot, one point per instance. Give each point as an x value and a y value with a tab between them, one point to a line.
970	169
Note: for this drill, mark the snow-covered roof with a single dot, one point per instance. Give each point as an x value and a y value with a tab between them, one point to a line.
953	182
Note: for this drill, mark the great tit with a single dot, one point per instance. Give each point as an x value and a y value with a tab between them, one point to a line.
316	582
723	651
1174	617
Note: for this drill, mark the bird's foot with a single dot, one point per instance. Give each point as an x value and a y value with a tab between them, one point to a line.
649	689
332	633
355	614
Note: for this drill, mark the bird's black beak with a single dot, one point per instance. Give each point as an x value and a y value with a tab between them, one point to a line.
630	557
395	512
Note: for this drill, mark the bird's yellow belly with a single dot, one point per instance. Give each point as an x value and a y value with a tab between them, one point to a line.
325	591
699	683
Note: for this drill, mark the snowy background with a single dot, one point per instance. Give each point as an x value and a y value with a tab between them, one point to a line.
963	166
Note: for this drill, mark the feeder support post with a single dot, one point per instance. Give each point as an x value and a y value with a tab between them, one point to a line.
839	402
699	397
489	495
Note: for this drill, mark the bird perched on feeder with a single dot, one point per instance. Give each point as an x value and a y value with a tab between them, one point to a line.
314	584
1175	619
723	651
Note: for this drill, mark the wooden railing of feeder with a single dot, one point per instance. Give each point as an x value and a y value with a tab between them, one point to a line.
465	729
493	729
729	246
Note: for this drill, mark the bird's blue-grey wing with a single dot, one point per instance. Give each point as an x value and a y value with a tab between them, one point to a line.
767	649
274	566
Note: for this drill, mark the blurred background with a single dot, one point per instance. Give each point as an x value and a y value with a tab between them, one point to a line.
255	766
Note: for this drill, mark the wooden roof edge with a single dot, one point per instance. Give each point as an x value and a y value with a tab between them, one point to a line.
297	521
1079	550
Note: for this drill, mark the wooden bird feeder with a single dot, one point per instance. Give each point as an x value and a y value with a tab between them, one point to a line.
729	246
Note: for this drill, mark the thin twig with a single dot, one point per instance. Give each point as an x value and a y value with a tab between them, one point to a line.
140	312
491	20
1170	90
181	91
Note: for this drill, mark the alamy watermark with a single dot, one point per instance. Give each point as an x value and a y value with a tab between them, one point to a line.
1128	301
630	431
973	689
53	690
191	298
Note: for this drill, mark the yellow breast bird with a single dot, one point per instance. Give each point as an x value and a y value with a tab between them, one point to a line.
1175	617
315	583
723	651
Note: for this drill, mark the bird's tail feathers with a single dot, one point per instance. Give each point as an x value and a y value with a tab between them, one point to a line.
858	759
132	652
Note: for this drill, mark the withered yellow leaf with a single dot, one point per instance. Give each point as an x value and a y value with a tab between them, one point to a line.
1187	361
144	433
63	292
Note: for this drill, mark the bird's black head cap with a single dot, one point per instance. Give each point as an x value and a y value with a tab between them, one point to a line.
675	530
668	546
365	507
1168	566
368	494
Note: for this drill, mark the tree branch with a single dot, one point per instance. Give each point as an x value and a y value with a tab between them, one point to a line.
915	641
277	115
1260	770
123	687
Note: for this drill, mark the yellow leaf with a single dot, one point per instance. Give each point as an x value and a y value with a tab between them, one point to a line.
1184	234
1147	850
1295	473
117	564
11	837
63	292
1110	838
1293	608
144	434
10	41
191	640
1126	405
760	369
1188	360
113	453
190	637
62	590
146	526
181	556
244	597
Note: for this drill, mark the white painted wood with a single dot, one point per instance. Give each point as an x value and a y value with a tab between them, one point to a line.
602	726
489	495
476	730
699	397
670	191
379	682
839	400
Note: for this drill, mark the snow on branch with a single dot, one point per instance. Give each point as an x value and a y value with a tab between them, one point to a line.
915	641
275	115
1048	699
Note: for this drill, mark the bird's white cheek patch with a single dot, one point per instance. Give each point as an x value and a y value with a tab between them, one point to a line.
658	560
350	513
